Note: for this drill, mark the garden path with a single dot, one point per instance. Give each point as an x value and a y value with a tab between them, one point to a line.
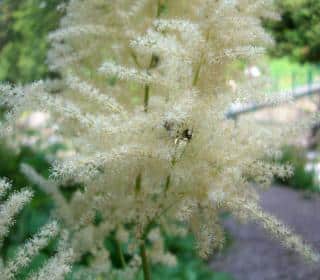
254	255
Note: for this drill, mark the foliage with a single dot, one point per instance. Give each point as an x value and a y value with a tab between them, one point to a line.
36	213
302	179
24	26
298	32
189	266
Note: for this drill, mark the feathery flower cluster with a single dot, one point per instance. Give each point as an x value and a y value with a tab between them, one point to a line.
57	267
144	103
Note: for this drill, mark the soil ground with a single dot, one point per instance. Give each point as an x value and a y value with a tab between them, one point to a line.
254	255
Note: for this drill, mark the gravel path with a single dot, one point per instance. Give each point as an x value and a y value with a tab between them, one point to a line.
253	255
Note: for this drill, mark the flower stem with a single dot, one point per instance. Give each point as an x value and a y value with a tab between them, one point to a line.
120	254
160	8
145	262
197	74
198	70
153	62
146	97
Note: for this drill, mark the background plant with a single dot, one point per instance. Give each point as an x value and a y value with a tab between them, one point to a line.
297	34
24	26
302	178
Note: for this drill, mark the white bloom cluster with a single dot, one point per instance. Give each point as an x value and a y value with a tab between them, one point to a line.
145	108
57	267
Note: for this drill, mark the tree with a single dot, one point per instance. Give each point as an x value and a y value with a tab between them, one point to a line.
24	26
298	32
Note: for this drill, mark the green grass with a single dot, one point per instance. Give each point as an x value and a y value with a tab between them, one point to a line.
286	73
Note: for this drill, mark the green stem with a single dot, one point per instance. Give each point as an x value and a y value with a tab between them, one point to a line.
159	8
135	58
145	262
153	63
198	70
137	187
120	254
167	185
146	97
197	74
143	252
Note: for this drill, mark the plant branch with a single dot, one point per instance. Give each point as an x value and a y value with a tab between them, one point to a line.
120	254
198	70
145	262
153	62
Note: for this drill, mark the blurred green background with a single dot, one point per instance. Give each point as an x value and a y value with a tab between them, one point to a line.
24	26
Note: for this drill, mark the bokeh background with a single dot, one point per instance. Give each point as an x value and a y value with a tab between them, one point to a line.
293	65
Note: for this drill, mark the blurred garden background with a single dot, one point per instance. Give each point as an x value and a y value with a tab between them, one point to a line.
292	64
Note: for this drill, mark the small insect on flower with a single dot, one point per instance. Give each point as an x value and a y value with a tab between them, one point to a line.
187	134
179	131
